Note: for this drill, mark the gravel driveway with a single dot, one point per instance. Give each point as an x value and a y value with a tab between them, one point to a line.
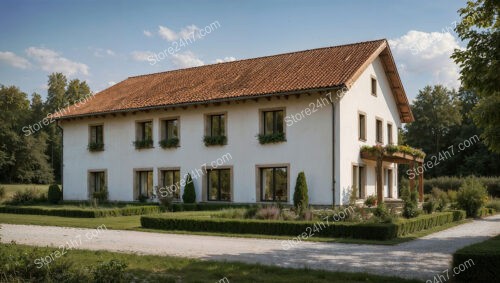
422	258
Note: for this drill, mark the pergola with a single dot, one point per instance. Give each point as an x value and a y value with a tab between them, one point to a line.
395	154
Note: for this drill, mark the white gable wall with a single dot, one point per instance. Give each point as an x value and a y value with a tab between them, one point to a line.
359	98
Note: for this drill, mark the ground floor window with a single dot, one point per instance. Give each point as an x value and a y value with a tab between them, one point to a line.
274	184
97	182
219	185
170	180
144	184
358	180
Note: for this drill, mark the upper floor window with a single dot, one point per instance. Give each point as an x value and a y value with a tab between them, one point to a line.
272	126
378	131
215	133
362	127
374	86
144	134
389	134
96	140
169	133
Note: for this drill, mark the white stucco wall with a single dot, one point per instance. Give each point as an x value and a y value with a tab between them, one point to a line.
308	148
360	99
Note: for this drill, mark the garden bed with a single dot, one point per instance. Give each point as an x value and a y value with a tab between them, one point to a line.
369	231
81	212
478	262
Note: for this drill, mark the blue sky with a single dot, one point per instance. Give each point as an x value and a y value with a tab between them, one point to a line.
104	42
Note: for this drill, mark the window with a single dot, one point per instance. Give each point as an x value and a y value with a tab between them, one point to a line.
96	141
144	134
358	183
215	130
219	185
374	86
389	134
144	184
97	181
170	180
378	131
169	133
362	127
272	122
274	184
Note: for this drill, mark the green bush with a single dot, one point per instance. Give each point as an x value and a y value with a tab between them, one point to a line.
2	192
430	206
102	195
410	202
300	196
169	143
454	183
54	194
111	271
370	231
472	196
81	212
27	197
485	258
371	201
485	211
494	203
140	144
189	195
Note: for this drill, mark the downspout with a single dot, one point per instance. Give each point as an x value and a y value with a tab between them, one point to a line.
62	157
333	153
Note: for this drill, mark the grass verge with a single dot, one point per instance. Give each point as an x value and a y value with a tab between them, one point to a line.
176	269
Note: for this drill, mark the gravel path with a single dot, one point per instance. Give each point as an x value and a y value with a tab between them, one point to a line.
422	258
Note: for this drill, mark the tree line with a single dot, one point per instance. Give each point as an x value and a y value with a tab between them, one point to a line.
30	144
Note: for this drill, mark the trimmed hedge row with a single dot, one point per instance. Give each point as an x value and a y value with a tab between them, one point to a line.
486	211
424	222
205	206
81	213
454	183
369	231
479	262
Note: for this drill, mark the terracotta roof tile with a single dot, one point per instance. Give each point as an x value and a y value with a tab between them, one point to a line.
310	69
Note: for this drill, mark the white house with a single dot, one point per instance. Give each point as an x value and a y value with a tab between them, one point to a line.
314	108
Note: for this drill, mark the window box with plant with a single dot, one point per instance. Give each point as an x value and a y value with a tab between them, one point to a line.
272	127
215	130
144	135
96	141
169	133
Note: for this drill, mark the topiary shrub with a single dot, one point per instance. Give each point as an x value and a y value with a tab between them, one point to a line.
472	196
300	196
54	194
410	202
189	195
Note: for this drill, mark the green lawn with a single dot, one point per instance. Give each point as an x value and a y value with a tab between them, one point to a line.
133	223
10	189
176	269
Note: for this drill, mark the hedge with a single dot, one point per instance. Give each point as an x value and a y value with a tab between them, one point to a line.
454	183
486	211
205	206
81	212
485	258
370	231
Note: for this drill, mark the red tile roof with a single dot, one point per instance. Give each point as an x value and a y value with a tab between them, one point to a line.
321	68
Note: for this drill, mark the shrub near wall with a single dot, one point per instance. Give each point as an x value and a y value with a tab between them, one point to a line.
454	183
485	258
81	213
373	231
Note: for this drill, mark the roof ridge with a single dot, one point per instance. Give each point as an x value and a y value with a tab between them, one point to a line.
255	58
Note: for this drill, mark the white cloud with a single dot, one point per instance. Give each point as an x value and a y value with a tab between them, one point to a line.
147	33
186	60
225	59
185	33
111	83
52	61
420	53
14	60
167	33
110	52
100	52
141	56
